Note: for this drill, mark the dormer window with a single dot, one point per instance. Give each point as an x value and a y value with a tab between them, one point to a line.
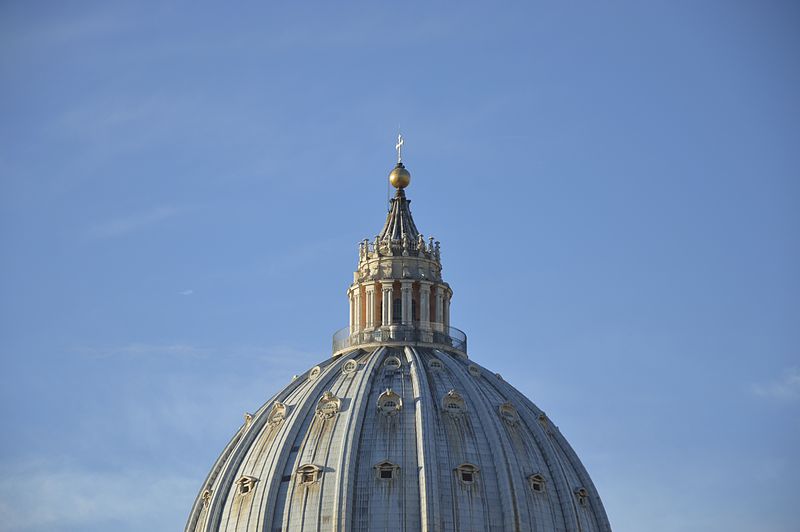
392	363
314	373
509	413
467	473
308	474
328	405
537	482
453	403
386	470
435	364
246	484
582	495
389	403
474	370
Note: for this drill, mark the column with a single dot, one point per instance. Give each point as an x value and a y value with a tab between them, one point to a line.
405	292
369	293
438	318
448	294
358	319
352	309
425	304
387	303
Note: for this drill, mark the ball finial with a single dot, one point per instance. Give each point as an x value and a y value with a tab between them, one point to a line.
399	177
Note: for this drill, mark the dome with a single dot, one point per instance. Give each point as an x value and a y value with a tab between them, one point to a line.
398	438
398	430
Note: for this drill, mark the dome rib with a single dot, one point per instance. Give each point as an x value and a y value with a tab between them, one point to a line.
494	437
425	442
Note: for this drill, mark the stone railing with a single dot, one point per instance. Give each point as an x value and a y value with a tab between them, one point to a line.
435	335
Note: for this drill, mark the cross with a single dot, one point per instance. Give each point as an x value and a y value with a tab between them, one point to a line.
399	147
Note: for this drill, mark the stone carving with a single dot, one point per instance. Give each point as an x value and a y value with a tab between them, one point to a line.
350	367
509	414
453	404
328	405
246	484
308	474
276	414
314	373
389	403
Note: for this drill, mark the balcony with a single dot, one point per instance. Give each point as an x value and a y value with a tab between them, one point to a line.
434	335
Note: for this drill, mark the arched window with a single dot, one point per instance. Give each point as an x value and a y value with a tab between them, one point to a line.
246	484
582	495
392	362
389	403
453	403
509	414
308	474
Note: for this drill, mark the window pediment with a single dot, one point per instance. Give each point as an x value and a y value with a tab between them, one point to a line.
308	474
245	484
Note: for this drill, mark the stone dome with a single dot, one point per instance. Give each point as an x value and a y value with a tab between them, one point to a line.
398	438
399	430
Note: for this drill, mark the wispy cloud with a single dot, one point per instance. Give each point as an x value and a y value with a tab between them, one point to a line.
66	498
135	222
275	354
186	292
784	388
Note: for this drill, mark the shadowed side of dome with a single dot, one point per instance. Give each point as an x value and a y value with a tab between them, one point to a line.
398	439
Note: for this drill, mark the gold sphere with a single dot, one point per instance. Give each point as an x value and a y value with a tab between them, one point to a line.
399	177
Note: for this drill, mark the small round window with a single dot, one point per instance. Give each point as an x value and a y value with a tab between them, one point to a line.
350	367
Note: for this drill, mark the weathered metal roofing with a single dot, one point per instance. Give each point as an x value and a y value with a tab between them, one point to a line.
362	443
399	222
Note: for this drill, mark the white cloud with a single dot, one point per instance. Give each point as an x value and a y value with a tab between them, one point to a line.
187	292
785	388
122	226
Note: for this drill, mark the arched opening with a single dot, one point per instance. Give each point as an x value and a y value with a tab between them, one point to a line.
397	310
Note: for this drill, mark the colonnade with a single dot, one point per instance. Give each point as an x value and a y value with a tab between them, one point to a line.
372	305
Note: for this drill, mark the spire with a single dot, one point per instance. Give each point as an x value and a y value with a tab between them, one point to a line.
399	222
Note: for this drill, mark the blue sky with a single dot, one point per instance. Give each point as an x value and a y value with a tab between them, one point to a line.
615	186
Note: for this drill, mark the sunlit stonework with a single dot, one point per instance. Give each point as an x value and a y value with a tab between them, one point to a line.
398	429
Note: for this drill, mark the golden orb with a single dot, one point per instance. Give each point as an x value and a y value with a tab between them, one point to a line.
399	177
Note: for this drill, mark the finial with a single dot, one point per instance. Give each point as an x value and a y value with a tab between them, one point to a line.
399	177
399	148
